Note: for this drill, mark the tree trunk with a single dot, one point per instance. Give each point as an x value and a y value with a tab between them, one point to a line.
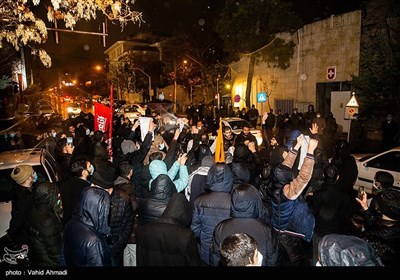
249	79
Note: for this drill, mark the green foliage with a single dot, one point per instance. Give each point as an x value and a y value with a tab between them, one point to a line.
249	25
378	87
252	25
277	54
5	81
8	57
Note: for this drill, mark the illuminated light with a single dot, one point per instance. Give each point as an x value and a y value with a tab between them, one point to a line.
239	89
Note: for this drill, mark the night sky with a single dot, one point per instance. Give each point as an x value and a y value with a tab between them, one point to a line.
76	51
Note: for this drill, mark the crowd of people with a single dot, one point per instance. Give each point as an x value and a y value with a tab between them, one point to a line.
156	196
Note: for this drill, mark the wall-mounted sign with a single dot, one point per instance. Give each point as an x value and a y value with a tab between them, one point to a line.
262	97
331	73
351	108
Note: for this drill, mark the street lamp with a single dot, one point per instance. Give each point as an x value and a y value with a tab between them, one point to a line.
148	76
175	84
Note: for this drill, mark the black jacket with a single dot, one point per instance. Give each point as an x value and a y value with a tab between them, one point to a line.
158	242
152	207
84	237
246	211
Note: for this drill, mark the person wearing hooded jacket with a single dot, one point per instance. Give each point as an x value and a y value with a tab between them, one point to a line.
85	236
157	243
212	207
158	167
44	226
246	211
161	188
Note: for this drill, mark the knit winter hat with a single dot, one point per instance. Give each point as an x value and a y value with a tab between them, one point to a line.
128	146
21	173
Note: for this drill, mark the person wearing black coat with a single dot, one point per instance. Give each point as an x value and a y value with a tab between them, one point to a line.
382	225
158	243
44	226
71	190
212	207
347	167
85	236
246	211
153	205
21	204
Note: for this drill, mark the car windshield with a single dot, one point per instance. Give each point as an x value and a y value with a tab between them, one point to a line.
239	124
130	109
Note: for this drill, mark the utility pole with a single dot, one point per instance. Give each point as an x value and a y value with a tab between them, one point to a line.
175	68
218	100
148	76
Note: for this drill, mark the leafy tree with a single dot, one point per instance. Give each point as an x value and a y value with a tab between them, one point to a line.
127	76
195	62
247	26
20	24
377	85
8	56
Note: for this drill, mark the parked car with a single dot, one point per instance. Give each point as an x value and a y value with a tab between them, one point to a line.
369	164
23	111
41	161
138	108
236	124
132	111
47	110
73	109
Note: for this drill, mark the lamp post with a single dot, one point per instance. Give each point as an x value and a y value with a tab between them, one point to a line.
202	74
148	76
218	93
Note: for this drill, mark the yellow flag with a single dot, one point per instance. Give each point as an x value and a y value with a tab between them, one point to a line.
219	147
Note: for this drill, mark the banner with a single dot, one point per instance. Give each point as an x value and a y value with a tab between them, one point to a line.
102	118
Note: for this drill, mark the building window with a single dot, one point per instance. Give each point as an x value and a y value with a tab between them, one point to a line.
286	106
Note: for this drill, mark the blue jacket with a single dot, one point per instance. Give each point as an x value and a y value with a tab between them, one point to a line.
157	167
292	215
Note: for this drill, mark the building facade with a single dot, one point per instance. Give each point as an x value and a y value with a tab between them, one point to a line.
326	54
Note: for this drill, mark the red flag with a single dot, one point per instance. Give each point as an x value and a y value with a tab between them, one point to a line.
102	117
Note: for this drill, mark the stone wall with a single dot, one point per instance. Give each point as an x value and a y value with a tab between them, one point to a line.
334	41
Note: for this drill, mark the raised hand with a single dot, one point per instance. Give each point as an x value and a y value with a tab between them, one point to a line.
314	128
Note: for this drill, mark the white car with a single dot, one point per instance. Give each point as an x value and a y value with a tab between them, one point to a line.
236	124
47	110
73	109
137	107
369	164
132	111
